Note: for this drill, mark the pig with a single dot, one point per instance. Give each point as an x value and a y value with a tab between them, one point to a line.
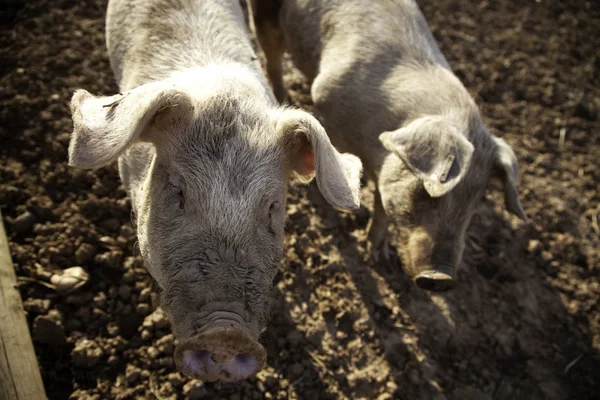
205	154
384	92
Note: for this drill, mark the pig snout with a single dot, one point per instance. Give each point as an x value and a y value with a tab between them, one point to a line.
222	351
431	261
437	278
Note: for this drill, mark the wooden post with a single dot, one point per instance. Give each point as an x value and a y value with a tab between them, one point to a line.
20	377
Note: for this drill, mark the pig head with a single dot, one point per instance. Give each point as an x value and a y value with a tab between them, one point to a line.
430	185
206	161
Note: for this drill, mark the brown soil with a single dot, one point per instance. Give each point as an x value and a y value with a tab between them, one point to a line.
524	322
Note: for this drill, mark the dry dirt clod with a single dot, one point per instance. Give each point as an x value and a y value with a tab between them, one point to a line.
194	390
132	374
36	306
48	329
86	353
142	309
23	222
294	338
84	253
156	320
70	280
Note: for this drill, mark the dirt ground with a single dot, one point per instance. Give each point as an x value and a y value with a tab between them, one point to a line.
524	322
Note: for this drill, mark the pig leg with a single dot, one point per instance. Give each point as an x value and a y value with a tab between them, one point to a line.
266	23
378	232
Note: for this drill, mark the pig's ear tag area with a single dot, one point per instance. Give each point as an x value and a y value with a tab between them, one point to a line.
437	154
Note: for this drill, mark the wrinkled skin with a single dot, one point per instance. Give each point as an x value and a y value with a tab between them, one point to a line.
384	91
205	155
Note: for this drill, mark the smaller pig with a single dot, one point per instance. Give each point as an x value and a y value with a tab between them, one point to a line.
205	154
385	92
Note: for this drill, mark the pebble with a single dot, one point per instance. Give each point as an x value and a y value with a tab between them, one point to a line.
156	320
146	335
142	309
69	280
294	338
132	374
86	353
175	379
296	370
37	306
152	352
85	252
100	300
48	329
111	259
194	390
23	222
125	292
145	295
165	344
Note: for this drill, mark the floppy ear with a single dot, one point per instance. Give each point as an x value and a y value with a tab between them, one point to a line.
434	150
506	168
104	127
311	153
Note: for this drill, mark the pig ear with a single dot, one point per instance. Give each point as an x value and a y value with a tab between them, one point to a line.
506	168
104	127
311	153
436	153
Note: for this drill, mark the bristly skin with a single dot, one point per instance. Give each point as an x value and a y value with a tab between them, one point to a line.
385	92
205	155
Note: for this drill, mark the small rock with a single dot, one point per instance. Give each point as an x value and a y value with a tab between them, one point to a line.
175	379
48	329
165	344
85	253
111	259
132	374
69	280
194	390
156	320
23	222
294	338
86	353
124	292
296	370
100	300
145	295
152	352
36	306
146	334
112	329
142	309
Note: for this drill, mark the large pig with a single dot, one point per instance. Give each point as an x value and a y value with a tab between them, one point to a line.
385	92
205	156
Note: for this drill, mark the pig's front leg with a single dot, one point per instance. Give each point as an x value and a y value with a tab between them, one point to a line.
378	239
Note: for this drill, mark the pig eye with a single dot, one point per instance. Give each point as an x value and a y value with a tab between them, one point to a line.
274	208
178	194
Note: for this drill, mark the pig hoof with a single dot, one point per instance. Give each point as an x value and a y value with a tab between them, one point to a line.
438	279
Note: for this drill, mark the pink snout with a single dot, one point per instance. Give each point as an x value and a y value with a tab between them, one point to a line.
220	354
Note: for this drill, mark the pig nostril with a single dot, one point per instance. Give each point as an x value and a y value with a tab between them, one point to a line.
196	360
245	359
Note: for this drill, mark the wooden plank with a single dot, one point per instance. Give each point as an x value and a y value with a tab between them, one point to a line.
20	377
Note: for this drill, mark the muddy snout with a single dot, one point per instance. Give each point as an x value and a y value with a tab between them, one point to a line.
436	278
220	354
